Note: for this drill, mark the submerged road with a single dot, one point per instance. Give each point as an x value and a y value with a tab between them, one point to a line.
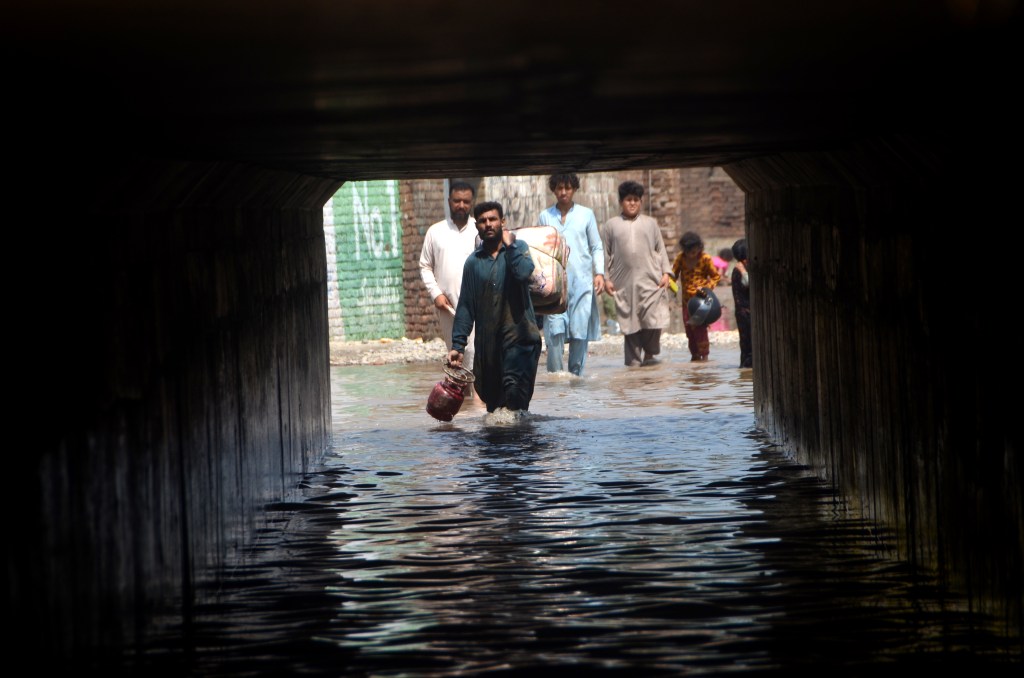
636	523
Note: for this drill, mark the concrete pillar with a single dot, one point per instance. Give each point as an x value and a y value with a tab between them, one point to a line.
875	296
190	387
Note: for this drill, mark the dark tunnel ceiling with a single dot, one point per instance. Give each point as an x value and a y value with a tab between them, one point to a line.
372	89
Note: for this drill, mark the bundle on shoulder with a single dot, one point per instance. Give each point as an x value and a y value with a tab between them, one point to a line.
549	284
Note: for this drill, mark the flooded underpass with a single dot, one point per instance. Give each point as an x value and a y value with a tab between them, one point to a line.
636	523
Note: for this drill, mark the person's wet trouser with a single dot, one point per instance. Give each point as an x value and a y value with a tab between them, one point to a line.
556	327
746	345
641	347
696	337
577	353
519	374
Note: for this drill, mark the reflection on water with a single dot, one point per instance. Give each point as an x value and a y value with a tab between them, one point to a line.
636	522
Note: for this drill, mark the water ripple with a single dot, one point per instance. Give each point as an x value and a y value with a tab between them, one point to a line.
637	522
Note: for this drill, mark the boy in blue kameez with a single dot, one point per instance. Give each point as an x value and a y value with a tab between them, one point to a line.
581	323
495	299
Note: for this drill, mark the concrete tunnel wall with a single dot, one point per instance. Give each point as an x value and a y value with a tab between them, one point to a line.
875	360
196	393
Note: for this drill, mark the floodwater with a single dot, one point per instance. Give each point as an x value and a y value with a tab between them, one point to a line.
636	523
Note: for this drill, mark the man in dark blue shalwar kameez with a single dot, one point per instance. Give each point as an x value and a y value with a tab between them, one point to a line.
495	298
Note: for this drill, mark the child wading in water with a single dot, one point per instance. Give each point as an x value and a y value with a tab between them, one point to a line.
694	269
741	300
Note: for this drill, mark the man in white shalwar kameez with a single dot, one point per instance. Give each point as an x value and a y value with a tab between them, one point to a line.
638	274
446	246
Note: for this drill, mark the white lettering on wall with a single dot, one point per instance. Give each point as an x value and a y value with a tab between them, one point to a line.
369	223
381	291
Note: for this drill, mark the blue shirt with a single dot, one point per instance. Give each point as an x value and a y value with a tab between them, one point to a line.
581	320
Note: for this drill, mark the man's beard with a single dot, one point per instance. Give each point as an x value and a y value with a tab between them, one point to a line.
495	238
460	217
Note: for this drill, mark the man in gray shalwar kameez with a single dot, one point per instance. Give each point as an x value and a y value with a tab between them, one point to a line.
638	273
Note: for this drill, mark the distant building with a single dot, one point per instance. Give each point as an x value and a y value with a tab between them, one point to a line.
374	232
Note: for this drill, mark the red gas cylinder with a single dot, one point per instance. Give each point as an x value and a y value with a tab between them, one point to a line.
446	397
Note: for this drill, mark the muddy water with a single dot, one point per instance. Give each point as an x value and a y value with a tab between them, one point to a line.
636	522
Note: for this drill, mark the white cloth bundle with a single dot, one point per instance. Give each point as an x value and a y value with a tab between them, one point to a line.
549	284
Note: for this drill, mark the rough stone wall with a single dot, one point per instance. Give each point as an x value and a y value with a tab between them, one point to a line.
198	393
525	197
521	197
866	342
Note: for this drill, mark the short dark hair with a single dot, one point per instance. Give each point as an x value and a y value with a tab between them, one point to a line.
725	253
739	249
487	207
461	186
690	239
630	188
571	179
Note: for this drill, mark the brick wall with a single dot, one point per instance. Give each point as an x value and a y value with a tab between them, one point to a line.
703	199
712	205
423	204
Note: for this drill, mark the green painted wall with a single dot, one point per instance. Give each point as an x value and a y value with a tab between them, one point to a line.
368	233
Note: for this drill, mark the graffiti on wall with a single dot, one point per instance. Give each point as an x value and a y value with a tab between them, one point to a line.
368	236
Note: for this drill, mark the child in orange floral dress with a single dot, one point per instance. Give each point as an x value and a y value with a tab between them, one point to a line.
694	269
